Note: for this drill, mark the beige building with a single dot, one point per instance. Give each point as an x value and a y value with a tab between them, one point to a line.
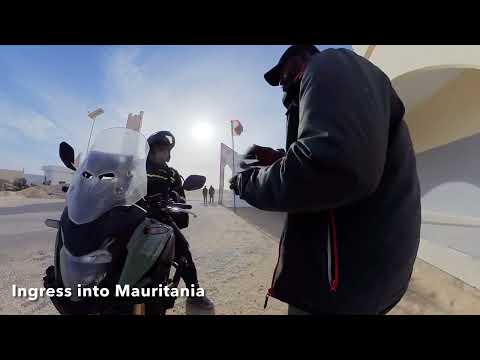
10	175
440	85
57	174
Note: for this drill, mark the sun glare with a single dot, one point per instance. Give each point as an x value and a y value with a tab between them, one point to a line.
202	131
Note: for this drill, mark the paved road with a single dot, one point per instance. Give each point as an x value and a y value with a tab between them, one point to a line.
26	247
23	227
33	208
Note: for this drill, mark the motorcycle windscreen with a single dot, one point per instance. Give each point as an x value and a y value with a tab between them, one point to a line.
112	174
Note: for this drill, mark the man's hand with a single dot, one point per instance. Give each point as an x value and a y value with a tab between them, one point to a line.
266	156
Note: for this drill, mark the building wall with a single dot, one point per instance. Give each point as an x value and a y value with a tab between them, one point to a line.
227	156
10	175
396	60
452	113
34	179
439	86
450	177
418	86
55	174
450	186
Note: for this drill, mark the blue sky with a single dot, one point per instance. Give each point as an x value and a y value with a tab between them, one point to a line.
46	92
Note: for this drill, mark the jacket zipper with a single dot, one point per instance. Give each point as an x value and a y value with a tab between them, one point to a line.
332	248
269	292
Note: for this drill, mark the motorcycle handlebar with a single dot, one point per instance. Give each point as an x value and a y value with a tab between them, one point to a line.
178	210
182	206
164	202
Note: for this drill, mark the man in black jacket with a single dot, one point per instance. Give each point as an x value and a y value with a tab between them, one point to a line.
164	182
348	182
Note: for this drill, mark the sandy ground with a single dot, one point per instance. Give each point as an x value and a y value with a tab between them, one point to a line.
234	259
235	256
235	262
435	292
33	195
431	291
26	249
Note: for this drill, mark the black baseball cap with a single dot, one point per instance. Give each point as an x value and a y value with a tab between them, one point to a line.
273	75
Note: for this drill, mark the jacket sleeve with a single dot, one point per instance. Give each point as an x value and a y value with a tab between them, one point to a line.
341	148
178	185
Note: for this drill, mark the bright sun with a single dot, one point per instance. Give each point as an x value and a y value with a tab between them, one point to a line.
202	131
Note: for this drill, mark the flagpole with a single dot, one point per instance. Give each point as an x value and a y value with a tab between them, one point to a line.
91	131
233	167
93	115
222	180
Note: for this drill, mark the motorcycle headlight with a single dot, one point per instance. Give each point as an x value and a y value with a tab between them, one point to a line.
87	270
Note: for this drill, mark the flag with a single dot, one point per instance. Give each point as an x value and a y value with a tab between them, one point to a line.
237	127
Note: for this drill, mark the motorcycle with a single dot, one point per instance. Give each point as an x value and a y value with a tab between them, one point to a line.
111	234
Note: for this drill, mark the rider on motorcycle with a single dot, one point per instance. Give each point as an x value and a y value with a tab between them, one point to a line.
166	182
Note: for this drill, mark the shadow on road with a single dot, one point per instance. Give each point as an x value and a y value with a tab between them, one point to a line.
268	221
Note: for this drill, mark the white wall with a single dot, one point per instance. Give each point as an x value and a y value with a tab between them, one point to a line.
225	197
55	174
34	179
450	185
440	87
396	60
451	114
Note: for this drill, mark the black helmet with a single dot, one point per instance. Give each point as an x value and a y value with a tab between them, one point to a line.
162	138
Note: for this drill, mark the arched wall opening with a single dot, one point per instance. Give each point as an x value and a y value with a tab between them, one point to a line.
443	116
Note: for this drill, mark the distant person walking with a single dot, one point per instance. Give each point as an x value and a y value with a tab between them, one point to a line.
211	191
205	192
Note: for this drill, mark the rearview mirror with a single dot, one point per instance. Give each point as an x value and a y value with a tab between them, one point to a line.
194	182
67	155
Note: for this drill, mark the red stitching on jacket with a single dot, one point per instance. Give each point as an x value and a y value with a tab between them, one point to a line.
335	281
